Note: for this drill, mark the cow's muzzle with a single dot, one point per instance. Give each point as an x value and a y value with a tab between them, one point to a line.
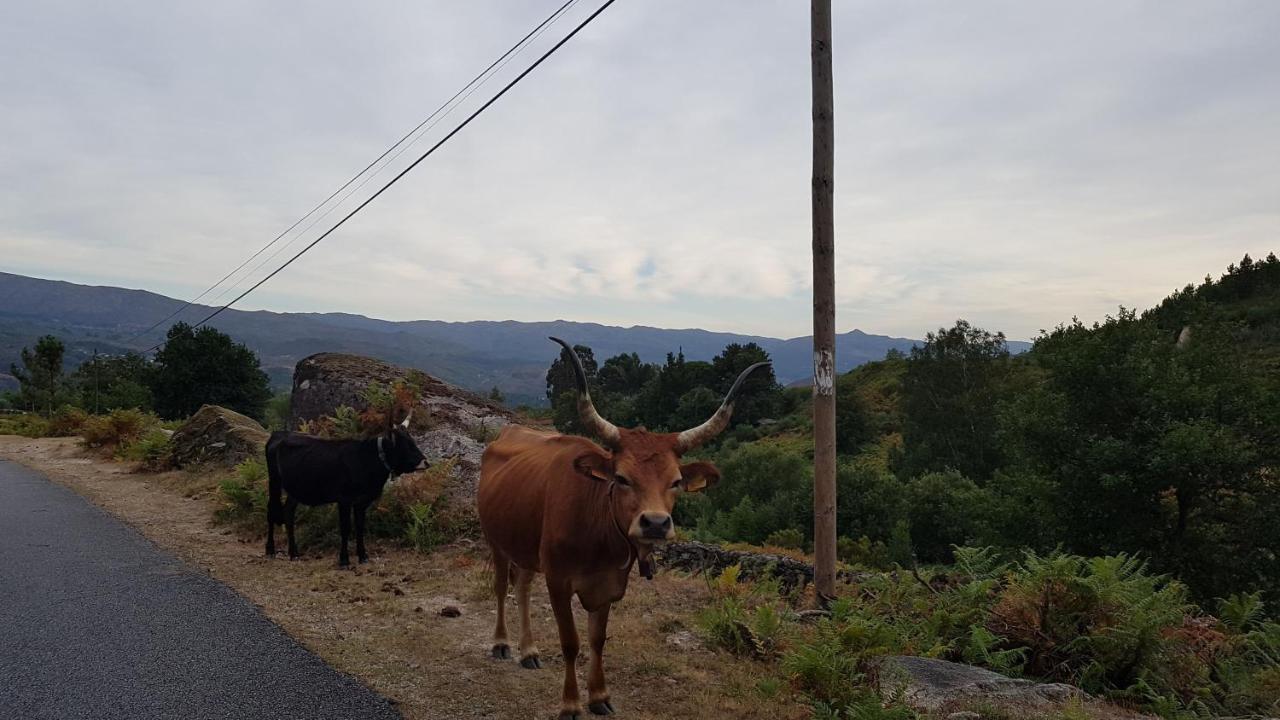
655	526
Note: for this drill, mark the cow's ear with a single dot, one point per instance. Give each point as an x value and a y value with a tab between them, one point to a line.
595	464
698	476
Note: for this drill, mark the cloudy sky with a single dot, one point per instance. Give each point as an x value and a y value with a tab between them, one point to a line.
1012	163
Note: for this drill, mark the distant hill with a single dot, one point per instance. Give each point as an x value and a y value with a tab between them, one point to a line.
512	356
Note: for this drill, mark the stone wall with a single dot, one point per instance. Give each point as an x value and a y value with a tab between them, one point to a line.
712	559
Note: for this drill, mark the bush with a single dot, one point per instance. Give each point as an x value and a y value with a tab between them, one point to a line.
120	427
743	617
67	421
153	450
423	531
244	495
483	433
277	412
27	425
864	553
791	539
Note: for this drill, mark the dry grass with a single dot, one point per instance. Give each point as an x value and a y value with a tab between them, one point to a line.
380	622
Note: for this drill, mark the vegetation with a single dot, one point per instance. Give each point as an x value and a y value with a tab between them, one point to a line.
1105	624
203	366
1134	435
42	386
673	396
192	368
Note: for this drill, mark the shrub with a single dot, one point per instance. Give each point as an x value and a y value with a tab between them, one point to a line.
483	433
743	617
244	495
423	531
67	421
277	412
791	539
117	428
152	450
27	425
864	553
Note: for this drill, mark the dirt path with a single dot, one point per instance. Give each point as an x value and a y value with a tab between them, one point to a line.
381	622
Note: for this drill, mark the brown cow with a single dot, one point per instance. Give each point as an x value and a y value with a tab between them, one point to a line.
583	515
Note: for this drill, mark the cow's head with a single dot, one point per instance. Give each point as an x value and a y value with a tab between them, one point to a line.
644	467
403	455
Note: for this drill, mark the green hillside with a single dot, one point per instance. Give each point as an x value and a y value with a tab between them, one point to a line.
1104	438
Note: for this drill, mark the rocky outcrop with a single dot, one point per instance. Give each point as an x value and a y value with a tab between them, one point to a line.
712	559
448	422
219	436
934	685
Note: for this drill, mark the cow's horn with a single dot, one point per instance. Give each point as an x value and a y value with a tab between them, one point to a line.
693	437
607	431
405	423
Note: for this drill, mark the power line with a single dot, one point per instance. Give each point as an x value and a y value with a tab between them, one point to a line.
506	56
502	63
415	163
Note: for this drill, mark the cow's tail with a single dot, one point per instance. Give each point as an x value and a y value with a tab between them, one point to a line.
275	509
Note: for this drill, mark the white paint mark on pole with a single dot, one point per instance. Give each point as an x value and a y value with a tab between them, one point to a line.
824	372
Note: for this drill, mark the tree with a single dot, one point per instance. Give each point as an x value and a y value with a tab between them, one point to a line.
112	382
495	395
1151	446
625	374
949	393
562	387
41	386
658	404
761	395
206	367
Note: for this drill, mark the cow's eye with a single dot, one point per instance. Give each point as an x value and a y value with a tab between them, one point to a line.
621	480
675	484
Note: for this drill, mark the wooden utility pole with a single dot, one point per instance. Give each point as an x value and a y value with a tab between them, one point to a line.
95	381
824	307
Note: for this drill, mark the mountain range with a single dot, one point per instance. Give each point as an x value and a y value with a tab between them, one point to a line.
479	355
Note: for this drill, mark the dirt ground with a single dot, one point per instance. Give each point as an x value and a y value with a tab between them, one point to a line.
381	622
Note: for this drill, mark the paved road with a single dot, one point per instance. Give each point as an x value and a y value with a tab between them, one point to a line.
96	622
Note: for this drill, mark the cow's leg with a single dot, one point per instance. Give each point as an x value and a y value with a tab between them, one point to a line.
561	605
528	651
361	554
271	538
290	515
344	523
501	575
597	693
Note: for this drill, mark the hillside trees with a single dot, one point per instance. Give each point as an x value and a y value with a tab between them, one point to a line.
205	366
675	395
112	382
42	387
952	384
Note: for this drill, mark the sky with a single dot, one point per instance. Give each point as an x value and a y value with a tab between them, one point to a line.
1014	164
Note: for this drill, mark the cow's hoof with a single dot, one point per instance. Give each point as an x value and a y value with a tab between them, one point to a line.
602	707
501	651
531	663
295	557
570	715
344	563
364	559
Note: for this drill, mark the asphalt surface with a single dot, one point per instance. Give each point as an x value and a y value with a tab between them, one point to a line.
96	622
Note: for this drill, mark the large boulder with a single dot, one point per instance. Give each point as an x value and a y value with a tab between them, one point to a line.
448	422
219	436
933	685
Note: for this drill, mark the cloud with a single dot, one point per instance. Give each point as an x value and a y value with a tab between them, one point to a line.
1011	163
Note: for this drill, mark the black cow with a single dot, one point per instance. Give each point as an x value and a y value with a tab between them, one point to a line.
315	471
